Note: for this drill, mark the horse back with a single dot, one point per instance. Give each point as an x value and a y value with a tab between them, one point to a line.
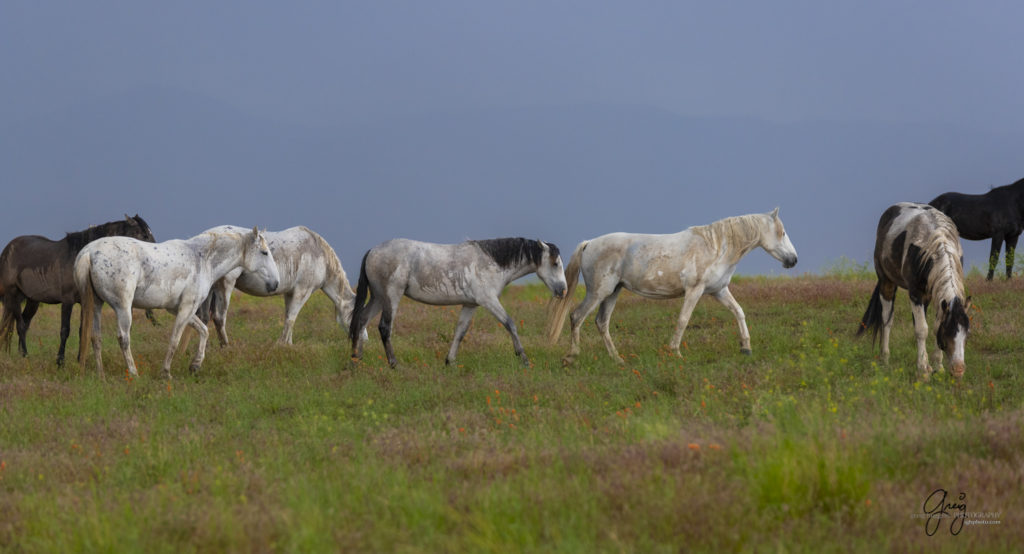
38	267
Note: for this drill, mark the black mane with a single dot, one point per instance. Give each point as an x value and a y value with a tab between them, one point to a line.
78	239
512	251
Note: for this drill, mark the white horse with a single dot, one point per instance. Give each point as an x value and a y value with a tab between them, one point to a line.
472	273
305	262
175	275
917	247
693	262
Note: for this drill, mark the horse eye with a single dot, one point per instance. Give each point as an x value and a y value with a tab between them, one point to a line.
264	252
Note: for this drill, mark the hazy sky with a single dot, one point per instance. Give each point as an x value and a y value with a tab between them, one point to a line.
324	64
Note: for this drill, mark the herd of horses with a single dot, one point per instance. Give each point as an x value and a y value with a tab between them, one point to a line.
119	263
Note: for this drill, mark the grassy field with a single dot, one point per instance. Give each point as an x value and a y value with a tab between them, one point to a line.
811	444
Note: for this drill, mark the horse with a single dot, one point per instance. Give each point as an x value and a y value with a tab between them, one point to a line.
998	214
175	275
305	263
471	273
36	269
693	262
917	248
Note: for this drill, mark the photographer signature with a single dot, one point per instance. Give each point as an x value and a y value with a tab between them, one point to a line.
937	508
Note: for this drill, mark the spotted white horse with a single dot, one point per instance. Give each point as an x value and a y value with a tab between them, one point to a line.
691	263
305	261
175	275
472	273
917	248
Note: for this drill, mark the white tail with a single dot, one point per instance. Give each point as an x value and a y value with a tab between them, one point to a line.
558	308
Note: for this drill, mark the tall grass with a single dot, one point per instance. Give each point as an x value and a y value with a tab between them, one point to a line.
811	444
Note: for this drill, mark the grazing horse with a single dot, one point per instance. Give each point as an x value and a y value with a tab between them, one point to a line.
917	248
998	214
36	269
305	263
472	273
175	275
691	263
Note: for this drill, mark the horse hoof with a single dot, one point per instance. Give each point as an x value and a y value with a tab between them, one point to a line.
567	361
746	351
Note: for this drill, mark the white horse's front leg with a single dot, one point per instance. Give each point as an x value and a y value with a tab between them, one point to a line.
465	318
921	334
690	300
494	306
293	303
727	300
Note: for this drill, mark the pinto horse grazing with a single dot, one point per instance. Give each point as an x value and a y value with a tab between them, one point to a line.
36	269
690	263
305	263
917	248
175	275
472	273
998	214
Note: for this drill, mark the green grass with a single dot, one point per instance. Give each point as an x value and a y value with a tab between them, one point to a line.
811	444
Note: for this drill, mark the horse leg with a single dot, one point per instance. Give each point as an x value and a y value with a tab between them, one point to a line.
993	255
689	303
576	318
887	297
97	340
65	329
24	321
221	300
1011	250
12	313
726	298
387	316
603	318
181	319
494	306
369	312
293	303
921	334
465	318
124	336
204	335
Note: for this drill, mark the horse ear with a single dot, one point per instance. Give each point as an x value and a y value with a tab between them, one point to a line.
543	245
129	219
775	213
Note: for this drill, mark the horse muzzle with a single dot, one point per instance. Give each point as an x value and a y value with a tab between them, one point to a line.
789	262
272	285
559	292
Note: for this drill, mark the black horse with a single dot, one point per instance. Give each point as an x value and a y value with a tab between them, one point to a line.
998	214
36	269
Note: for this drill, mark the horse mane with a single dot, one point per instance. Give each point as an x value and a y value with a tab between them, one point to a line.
512	251
742	232
333	263
77	240
940	261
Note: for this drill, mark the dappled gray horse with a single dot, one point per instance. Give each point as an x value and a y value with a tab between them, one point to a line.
305	263
472	273
693	262
175	275
917	248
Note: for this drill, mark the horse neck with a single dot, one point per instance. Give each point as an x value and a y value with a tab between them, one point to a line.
220	252
735	236
946	279
525	267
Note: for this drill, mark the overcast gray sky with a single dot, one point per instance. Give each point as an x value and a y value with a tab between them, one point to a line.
919	74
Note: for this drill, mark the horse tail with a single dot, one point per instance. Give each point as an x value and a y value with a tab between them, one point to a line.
558	308
83	280
358	313
872	318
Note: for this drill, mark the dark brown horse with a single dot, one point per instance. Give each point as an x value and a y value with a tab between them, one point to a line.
998	214
35	269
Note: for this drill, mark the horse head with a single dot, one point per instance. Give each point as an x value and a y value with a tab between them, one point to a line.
550	269
776	241
258	259
138	228
951	335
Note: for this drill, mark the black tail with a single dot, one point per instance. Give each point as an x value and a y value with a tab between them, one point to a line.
872	318
358	314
